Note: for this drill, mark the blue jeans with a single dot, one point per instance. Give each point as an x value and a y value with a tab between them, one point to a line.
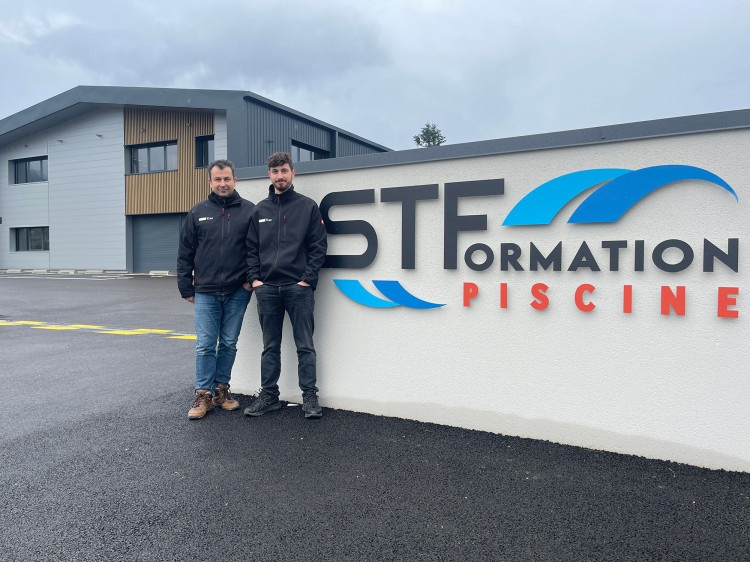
218	321
298	302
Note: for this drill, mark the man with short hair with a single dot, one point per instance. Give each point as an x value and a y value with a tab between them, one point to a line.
211	274
287	244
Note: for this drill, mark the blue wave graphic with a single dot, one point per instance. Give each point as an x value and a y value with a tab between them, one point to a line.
391	289
394	291
355	291
621	190
615	198
542	204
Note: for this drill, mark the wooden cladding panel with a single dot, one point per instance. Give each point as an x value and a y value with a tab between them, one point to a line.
167	192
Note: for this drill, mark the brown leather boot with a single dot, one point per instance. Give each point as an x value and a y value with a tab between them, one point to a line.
203	403
223	398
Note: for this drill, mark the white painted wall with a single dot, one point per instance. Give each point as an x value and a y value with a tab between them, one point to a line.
83	203
667	387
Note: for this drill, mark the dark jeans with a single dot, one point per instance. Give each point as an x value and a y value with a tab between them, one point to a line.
298	302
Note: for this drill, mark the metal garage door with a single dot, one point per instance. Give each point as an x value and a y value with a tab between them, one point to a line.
155	242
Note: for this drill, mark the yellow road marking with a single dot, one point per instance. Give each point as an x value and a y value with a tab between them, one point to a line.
98	329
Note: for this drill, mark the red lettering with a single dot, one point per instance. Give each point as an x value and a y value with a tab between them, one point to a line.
470	291
538	291
670	300
503	295
627	299
727	298
585	288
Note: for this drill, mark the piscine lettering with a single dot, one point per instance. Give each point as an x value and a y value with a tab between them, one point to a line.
672	300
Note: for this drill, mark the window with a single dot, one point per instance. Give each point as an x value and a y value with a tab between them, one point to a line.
29	170
33	238
155	157
204	151
305	153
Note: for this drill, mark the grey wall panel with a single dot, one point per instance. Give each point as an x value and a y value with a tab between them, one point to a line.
352	147
155	242
220	135
271	131
87	192
83	201
22	205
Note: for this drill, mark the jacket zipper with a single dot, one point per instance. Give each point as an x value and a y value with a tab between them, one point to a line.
221	253
278	233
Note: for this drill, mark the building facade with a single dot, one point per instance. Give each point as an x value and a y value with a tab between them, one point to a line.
100	178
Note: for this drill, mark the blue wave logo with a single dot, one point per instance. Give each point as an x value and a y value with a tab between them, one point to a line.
621	190
392	290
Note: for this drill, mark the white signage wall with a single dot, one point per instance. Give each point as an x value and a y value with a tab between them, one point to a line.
638	344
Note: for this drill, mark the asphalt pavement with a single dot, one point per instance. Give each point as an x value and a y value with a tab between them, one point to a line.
99	462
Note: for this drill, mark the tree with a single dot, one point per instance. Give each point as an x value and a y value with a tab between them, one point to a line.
430	136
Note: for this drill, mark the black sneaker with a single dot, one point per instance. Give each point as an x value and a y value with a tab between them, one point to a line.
265	402
310	405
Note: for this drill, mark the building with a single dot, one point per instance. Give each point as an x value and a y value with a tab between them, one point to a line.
100	178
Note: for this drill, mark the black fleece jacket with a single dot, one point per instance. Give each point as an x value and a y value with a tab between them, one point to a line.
213	255
287	240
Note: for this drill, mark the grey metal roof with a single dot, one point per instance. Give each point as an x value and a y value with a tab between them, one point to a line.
707	122
82	99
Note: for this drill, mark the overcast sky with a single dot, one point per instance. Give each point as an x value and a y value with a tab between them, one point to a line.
478	69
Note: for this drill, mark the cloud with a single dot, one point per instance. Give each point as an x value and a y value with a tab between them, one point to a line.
478	69
29	27
159	43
